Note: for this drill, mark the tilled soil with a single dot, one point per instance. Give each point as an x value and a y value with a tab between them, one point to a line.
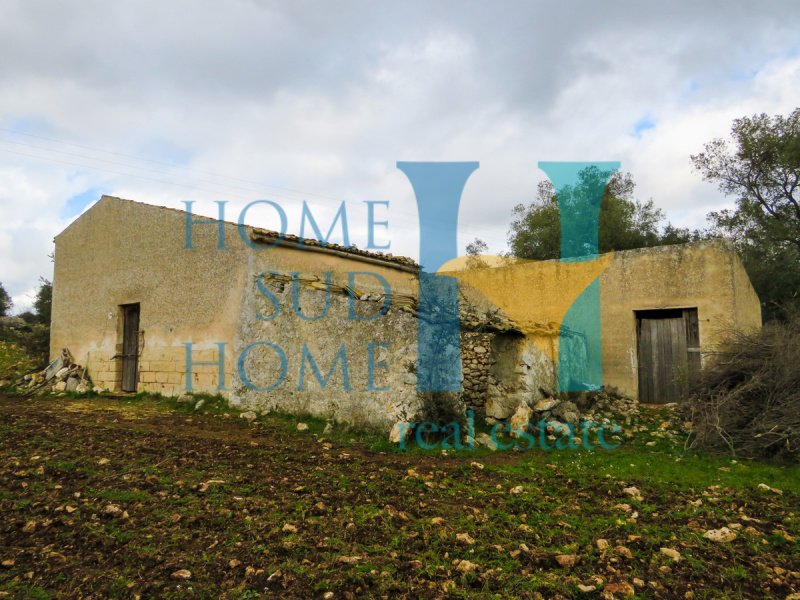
111	498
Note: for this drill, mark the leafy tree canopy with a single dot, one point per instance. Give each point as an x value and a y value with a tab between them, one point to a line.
760	166
5	301
44	301
625	223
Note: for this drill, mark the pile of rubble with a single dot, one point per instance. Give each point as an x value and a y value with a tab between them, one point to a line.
591	409
61	375
595	409
608	404
604	406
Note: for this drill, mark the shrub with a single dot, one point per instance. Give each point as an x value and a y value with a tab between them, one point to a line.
34	338
443	409
747	401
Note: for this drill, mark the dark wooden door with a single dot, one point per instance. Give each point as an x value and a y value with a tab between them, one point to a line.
130	347
669	353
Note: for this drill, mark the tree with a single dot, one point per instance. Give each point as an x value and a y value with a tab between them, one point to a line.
28	317
760	166
44	301
477	247
5	301
625	223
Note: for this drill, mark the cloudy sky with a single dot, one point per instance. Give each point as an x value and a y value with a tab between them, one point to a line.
166	101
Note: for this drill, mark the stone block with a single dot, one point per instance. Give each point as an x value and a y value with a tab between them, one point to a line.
503	406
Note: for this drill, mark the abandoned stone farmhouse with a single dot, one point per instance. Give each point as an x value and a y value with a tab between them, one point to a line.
148	303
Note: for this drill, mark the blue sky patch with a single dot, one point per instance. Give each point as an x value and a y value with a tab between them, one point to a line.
33	124
77	203
165	151
643	124
743	75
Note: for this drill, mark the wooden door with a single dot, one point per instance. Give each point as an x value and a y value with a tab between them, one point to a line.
130	347
669	353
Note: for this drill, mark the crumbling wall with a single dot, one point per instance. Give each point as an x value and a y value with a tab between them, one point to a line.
477	359
521	373
365	360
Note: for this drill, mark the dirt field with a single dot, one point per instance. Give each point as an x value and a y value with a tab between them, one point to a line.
112	498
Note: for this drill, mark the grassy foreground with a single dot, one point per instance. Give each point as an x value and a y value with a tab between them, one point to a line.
147	498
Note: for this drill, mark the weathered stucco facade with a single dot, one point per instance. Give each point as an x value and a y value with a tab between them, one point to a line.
706	276
706	279
298	327
122	253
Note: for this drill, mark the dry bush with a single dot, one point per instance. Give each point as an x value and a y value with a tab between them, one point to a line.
747	401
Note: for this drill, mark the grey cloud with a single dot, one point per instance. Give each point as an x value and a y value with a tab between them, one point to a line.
324	97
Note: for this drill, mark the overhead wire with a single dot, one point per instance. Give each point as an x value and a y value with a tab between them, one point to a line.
173	169
163	163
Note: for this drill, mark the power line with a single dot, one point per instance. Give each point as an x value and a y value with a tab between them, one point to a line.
408	214
104	170
157	162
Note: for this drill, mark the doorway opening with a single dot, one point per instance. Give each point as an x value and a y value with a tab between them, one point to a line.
668	345
130	347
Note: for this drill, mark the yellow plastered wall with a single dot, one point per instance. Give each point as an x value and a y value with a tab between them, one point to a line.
708	276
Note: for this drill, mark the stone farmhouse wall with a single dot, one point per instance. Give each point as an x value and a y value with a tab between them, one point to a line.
121	252
290	327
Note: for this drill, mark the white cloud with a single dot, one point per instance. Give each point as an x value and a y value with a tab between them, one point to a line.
294	101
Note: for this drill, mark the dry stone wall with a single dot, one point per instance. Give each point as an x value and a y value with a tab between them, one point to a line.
476	364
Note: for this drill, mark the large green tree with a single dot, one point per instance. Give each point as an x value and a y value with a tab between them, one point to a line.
760	167
625	222
43	303
5	301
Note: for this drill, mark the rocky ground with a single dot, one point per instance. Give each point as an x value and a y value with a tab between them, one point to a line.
142	497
